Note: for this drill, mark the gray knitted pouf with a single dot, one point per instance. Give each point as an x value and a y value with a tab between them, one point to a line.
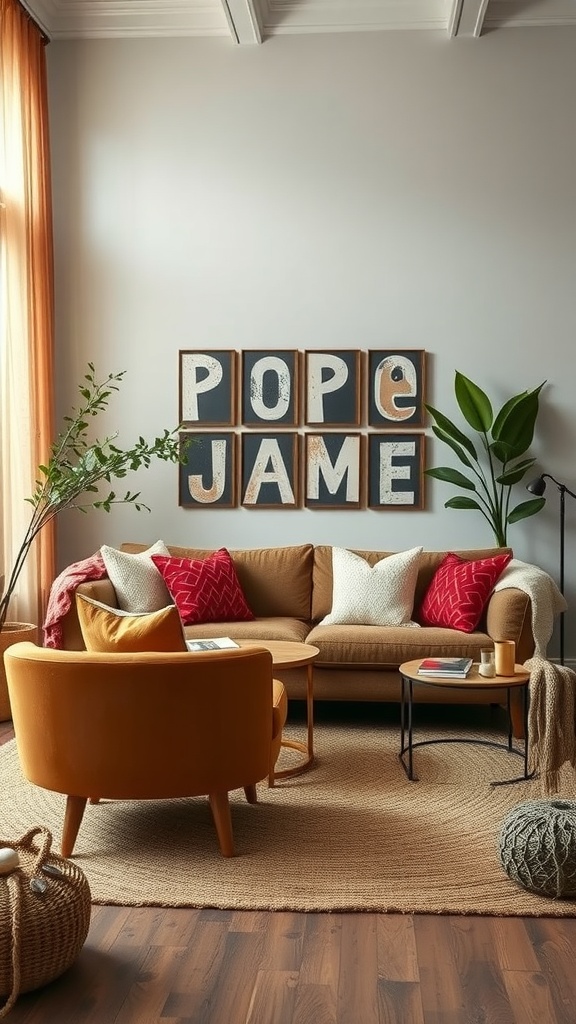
538	847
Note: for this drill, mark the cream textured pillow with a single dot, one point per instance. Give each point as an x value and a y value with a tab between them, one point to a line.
382	595
138	583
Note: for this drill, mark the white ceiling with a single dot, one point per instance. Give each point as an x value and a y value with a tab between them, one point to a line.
251	21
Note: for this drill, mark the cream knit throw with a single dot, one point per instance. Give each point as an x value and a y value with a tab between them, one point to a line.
545	597
551	721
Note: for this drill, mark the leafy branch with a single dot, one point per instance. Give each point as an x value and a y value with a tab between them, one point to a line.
77	469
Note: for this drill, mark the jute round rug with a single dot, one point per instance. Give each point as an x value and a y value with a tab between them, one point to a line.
351	834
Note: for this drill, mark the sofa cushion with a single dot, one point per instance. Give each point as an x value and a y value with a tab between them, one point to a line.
204	589
275	581
389	646
277	628
378	595
138	584
110	629
460	590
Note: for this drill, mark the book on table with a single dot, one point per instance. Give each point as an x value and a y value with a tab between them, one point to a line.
445	668
215	643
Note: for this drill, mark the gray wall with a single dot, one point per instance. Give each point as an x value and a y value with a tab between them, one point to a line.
395	190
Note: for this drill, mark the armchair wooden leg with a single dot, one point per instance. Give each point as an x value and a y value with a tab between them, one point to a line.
72	820
223	821
251	794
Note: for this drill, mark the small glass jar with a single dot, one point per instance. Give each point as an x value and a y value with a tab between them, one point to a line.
487	666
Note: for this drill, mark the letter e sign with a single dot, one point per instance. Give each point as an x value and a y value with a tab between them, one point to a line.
396	388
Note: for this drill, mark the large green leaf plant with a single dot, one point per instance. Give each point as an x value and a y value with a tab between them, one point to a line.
495	462
78	467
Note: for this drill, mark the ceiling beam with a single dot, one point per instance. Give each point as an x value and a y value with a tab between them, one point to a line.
466	18
244	20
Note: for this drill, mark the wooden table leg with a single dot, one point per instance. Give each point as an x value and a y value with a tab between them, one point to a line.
307	749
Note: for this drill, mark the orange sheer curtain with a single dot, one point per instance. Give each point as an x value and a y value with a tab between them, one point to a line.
26	302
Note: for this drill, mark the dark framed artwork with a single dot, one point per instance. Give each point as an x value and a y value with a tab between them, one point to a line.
332	388
207	391
334	470
270	470
270	388
396	471
396	388
208	477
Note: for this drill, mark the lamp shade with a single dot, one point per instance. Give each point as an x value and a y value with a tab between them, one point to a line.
537	486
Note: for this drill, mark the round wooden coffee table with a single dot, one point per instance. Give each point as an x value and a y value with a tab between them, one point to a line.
473	681
290	654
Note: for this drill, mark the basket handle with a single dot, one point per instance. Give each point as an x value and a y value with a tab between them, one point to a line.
26	843
14	883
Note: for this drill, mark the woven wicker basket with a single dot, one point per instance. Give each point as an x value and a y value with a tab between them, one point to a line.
44	916
12	633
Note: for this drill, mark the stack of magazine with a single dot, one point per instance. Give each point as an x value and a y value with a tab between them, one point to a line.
216	643
445	668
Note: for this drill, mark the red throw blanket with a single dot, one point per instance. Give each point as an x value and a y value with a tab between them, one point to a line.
62	592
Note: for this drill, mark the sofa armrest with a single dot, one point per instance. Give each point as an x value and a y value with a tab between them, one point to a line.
509	617
98	590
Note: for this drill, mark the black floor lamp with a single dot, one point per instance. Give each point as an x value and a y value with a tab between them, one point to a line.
538	486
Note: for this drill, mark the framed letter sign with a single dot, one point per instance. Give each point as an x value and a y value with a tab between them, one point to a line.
396	388
270	389
396	471
208	476
208	388
333	388
333	470
270	470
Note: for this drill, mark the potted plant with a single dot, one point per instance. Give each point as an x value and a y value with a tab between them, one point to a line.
495	465
72	477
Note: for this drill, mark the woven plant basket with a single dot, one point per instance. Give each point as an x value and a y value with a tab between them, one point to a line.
44	916
12	633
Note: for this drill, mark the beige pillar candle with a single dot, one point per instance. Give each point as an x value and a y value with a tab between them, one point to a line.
505	657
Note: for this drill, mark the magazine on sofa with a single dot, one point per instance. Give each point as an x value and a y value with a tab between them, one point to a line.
215	643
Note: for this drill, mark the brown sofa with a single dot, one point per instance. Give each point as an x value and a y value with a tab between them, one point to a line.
289	589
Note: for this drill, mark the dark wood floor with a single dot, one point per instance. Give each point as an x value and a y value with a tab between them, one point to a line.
154	966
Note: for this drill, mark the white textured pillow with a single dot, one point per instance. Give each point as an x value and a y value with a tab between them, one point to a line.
380	595
138	583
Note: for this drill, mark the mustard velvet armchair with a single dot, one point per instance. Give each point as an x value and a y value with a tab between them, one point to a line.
145	726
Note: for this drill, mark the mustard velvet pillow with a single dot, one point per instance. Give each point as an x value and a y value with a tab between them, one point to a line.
107	629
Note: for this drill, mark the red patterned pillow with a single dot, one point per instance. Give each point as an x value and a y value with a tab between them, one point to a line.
459	591
204	590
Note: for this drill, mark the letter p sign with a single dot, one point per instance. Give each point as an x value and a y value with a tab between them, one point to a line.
207	388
